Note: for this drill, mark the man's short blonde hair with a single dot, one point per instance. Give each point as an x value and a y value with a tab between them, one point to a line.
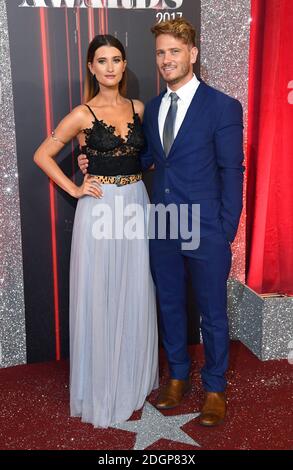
179	28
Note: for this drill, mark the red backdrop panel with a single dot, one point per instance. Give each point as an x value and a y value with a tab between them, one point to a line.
270	149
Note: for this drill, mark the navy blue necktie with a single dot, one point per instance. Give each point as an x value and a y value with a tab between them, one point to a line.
168	132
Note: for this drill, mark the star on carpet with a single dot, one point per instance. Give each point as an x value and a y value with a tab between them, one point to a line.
153	426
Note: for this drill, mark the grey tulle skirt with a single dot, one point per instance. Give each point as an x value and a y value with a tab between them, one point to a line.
113	323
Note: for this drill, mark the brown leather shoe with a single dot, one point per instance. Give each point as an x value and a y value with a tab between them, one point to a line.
214	409
173	393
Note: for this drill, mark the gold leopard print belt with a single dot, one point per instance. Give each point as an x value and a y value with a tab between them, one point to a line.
119	180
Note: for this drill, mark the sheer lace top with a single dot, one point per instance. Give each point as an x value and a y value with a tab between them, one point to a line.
110	154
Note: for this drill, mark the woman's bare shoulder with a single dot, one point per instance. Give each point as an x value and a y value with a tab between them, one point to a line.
80	116
80	111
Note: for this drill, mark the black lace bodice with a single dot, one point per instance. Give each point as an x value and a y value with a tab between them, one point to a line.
108	153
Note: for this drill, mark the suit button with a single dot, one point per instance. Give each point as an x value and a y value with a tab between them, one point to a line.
167	190
167	165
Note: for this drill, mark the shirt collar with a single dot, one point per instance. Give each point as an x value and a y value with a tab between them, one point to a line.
186	90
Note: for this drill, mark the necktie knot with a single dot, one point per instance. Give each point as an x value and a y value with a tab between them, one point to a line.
174	97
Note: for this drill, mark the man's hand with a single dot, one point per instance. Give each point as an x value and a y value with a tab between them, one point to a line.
82	163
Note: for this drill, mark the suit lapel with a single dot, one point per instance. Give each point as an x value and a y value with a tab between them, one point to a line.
191	116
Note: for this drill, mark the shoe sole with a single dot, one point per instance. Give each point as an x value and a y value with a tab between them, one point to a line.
212	425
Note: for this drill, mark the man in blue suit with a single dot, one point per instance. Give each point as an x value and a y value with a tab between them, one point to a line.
195	142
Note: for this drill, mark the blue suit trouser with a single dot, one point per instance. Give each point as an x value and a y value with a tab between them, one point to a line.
209	267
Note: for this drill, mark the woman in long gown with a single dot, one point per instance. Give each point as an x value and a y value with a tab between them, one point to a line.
113	324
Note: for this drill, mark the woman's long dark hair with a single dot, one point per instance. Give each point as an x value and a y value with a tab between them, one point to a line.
91	85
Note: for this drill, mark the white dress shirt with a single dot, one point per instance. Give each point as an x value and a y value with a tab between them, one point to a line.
185	94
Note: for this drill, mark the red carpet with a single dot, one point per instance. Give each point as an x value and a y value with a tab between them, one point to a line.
35	409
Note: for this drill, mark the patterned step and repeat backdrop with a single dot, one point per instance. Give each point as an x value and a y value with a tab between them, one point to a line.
43	49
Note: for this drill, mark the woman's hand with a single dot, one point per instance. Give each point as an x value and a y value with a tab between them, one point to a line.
89	187
82	163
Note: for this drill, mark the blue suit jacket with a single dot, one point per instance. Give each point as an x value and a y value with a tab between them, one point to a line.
204	165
